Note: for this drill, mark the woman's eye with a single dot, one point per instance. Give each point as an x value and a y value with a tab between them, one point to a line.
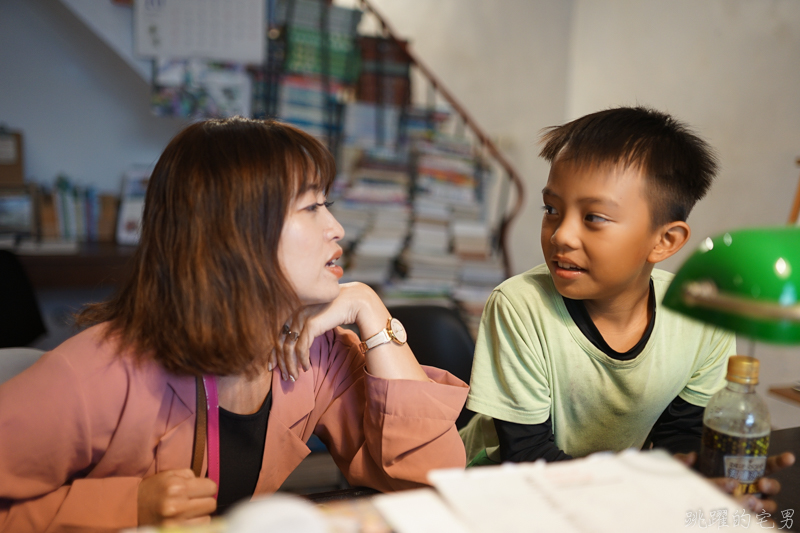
315	206
549	210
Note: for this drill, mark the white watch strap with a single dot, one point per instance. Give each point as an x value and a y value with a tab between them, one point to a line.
382	337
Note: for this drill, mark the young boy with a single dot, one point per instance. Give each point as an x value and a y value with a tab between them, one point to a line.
578	355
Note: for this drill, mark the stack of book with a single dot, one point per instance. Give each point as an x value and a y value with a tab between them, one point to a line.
422	123
375	204
321	61
384	77
471	237
373	257
321	38
446	172
445	178
354	219
311	105
368	125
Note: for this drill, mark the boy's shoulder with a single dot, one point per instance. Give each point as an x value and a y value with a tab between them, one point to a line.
529	284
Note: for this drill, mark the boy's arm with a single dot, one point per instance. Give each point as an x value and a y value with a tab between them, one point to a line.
679	428
528	442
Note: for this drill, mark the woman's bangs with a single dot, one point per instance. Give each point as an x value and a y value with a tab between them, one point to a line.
313	168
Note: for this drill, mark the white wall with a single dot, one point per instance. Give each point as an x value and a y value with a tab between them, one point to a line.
82	109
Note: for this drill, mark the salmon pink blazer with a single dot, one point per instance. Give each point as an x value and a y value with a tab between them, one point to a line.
83	426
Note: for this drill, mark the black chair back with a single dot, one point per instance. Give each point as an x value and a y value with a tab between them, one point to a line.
439	337
20	320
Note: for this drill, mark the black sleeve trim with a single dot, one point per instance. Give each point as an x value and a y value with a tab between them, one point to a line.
679	428
528	442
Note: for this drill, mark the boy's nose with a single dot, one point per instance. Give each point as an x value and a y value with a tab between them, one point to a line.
564	236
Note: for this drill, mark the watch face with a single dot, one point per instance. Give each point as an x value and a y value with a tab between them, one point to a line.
398	331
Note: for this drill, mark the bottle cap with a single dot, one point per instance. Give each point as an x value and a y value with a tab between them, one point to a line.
743	369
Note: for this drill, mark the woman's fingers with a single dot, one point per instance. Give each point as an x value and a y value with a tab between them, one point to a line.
289	342
282	366
298	334
200	487
309	322
303	345
174	496
301	352
288	356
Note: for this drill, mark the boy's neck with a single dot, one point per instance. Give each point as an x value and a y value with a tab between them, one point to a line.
622	320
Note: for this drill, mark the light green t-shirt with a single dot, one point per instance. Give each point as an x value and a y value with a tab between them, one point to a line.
532	362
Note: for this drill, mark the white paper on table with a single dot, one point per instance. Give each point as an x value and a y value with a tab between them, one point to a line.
418	511
628	492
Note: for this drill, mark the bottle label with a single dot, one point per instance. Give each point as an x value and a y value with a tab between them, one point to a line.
740	458
745	469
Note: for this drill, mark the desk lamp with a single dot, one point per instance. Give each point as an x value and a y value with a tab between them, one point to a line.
747	281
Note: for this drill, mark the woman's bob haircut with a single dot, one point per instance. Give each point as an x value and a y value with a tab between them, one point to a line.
207	294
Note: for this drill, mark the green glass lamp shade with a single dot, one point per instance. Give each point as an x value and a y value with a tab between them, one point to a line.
747	281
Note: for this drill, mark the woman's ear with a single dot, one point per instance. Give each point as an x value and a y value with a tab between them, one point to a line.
672	237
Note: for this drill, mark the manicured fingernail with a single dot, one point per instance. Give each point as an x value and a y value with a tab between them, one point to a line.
292	378
270	366
283	376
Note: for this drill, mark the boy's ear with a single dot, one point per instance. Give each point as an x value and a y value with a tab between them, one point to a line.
672	237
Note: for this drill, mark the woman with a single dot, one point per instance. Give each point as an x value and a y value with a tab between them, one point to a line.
230	315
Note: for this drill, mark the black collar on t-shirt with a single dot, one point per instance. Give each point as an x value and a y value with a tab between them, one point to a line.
577	310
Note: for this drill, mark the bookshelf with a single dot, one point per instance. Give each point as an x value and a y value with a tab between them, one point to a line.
94	265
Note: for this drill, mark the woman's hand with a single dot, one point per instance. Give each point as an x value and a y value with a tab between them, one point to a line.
308	323
176	497
767	487
356	304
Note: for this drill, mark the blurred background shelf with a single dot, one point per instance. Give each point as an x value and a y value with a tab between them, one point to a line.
94	265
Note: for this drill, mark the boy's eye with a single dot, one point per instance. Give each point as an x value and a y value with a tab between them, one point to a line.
595	218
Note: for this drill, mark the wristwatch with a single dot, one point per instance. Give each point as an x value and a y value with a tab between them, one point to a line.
394	331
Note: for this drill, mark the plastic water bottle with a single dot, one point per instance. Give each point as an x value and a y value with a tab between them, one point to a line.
736	428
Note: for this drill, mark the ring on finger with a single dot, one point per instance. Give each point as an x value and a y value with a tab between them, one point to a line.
292	335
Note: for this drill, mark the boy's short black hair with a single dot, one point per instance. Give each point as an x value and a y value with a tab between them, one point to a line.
677	164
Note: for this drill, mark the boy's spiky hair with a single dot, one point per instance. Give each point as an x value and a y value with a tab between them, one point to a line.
678	165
